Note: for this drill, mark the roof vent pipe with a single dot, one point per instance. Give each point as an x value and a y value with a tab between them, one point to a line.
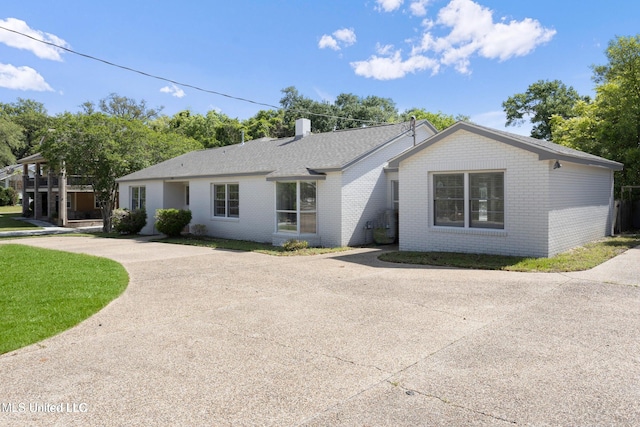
413	128
242	141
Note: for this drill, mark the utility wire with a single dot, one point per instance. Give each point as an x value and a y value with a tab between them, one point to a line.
177	83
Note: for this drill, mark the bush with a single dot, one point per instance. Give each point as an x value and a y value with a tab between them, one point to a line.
295	245
172	221
8	196
125	221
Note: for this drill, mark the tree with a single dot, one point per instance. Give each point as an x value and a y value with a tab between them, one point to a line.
123	107
11	141
102	148
542	100
440	120
609	126
34	121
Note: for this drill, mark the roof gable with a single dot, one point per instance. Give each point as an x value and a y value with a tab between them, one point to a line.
544	149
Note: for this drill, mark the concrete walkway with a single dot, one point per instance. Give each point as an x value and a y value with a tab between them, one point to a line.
212	337
46	228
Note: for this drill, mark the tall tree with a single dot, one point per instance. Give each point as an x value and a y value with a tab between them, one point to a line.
542	100
124	107
610	125
11	141
102	148
32	117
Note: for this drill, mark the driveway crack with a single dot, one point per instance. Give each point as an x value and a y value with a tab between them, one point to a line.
450	403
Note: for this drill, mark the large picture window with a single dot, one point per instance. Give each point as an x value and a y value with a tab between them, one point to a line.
138	197
474	200
296	207
226	200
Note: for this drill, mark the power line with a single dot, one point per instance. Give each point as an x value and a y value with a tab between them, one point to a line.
177	83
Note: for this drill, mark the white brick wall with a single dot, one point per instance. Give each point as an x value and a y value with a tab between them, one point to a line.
581	205
364	192
257	208
526	201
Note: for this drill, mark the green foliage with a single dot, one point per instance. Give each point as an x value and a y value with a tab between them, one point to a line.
172	221
60	291
609	126
8	196
125	221
102	147
11	141
295	245
30	122
542	100
440	120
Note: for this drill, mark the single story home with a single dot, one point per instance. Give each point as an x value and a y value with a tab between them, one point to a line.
478	190
327	188
465	189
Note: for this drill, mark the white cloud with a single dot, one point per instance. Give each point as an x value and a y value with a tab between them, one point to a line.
393	67
384	50
419	8
328	41
388	5
346	35
22	78
343	37
471	32
39	49
173	90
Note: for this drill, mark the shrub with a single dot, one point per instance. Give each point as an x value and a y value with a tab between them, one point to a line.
172	221
295	245
199	229
8	196
125	221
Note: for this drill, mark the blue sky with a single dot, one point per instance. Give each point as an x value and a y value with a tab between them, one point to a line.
455	56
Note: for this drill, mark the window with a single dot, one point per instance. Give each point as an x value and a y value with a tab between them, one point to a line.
486	199
395	195
296	207
474	200
186	195
226	200
448	200
138	197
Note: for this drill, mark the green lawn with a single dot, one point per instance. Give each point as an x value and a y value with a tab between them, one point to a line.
582	258
8	223
44	292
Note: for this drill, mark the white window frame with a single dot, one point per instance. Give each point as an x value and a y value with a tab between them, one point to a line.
467	201
140	200
298	211
395	194
227	201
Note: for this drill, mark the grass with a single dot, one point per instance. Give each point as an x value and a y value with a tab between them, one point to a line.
8	223
44	292
578	259
243	245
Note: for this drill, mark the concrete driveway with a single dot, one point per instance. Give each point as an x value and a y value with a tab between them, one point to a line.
213	337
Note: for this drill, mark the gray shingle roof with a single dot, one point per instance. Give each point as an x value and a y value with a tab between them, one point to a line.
284	157
546	150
